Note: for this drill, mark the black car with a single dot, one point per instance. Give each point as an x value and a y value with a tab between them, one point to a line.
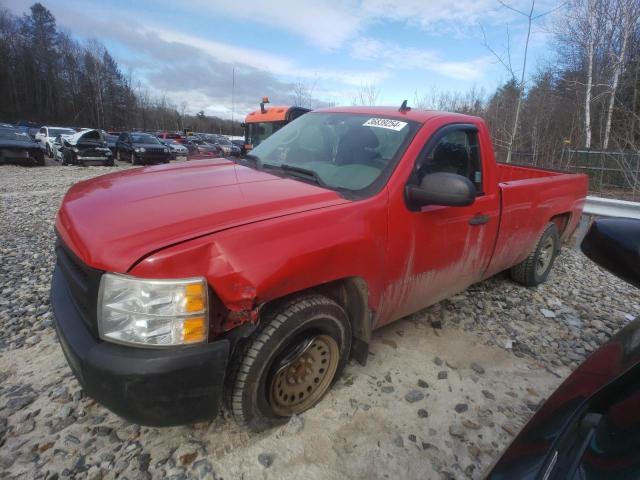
87	147
590	427
239	144
18	147
139	148
111	140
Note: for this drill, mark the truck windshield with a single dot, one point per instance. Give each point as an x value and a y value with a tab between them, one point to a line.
340	151
257	132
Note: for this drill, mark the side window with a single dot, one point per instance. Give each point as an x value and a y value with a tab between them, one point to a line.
42	130
457	152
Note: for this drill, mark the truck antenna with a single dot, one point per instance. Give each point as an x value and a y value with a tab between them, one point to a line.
403	108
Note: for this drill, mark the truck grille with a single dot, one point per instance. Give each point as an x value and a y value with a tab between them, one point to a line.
83	283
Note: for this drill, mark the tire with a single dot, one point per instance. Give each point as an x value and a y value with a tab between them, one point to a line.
118	156
48	151
310	332
132	159
535	269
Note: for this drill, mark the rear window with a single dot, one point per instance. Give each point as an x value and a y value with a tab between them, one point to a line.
143	138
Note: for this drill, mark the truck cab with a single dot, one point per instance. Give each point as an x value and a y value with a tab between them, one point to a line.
261	124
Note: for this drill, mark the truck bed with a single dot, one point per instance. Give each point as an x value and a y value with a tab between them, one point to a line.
510	173
529	199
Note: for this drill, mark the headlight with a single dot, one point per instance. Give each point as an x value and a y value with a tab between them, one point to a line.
75	149
166	149
153	313
139	150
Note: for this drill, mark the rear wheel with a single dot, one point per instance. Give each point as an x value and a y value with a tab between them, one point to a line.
290	362
536	267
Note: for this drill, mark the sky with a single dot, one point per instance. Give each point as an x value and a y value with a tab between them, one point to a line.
191	52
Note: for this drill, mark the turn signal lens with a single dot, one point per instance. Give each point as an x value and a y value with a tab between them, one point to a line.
194	330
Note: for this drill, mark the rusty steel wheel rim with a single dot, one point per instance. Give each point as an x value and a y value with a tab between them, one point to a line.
304	375
545	256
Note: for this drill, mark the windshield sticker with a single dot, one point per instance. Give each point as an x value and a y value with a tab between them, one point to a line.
385	123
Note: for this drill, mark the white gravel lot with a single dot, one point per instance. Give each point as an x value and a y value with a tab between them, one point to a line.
430	403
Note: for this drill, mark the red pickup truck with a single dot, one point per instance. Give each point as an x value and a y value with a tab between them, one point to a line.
179	286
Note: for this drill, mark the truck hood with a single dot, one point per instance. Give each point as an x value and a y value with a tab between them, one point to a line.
113	221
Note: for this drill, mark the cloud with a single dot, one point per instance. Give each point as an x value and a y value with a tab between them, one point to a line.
395	56
323	23
183	67
332	24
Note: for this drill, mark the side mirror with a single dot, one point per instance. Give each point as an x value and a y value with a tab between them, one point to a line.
614	244
442	188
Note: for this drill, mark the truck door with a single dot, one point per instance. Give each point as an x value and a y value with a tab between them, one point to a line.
442	250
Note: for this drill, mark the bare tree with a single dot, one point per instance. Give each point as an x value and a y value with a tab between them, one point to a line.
582	32
625	17
367	95
471	102
303	93
505	60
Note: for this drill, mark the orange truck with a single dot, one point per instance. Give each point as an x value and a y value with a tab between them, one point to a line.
261	124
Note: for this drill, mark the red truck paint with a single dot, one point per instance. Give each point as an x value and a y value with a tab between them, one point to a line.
257	237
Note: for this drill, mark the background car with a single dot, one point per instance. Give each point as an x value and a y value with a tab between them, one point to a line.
177	149
18	147
200	149
240	145
30	128
111	139
170	136
227	146
139	148
56	149
87	147
589	428
47	135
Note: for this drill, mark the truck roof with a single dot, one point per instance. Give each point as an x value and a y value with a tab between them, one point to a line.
273	113
415	115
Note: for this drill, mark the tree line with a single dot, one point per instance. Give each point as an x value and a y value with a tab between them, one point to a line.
47	77
585	95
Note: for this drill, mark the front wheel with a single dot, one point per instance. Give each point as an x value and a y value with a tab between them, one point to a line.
535	269
133	159
290	362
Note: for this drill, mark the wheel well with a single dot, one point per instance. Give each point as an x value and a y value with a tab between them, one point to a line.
352	294
562	221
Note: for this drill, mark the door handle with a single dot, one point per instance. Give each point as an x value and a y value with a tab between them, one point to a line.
479	219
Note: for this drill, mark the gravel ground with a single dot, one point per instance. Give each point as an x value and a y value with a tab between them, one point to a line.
431	402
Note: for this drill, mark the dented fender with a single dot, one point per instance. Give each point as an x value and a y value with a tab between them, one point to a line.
253	264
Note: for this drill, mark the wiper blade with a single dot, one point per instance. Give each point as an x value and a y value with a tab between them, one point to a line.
303	173
255	160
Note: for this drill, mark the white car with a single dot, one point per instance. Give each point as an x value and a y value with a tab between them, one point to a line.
47	135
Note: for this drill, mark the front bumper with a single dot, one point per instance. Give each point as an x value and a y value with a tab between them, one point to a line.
94	159
157	387
150	157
